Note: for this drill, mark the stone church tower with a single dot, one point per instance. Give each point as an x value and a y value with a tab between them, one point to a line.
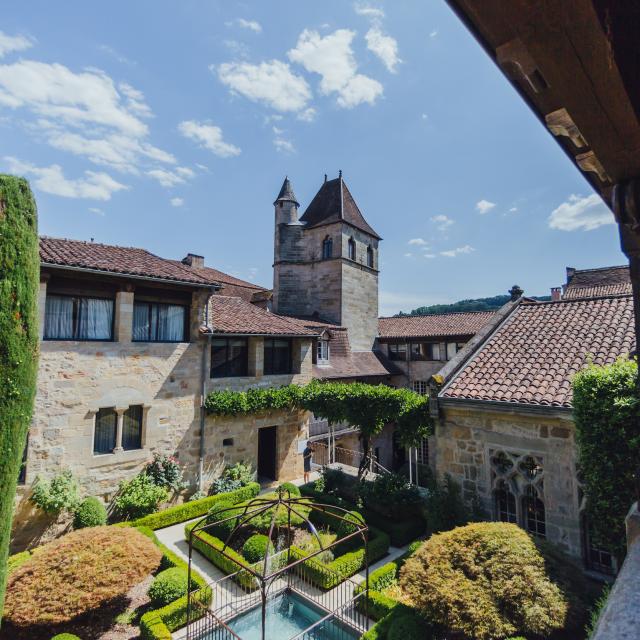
326	261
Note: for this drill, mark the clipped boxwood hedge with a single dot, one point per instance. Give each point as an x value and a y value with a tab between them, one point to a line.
190	510
400	532
329	575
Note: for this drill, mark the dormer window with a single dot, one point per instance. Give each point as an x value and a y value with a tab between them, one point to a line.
322	352
352	249
327	248
370	257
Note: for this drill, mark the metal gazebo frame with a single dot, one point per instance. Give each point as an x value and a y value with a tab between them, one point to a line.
262	574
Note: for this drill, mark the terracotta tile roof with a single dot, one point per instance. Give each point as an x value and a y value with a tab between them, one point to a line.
117	260
592	283
231	286
229	315
434	326
333	203
532	357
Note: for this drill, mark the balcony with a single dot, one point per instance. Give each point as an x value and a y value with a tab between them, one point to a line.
320	428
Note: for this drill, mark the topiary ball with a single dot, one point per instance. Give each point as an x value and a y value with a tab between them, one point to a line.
66	636
217	512
294	492
90	513
167	586
255	548
485	580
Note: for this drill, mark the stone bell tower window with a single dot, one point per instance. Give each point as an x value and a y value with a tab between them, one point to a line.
352	249
327	248
370	257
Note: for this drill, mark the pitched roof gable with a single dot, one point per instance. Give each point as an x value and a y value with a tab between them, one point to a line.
533	355
334	203
590	283
112	259
464	323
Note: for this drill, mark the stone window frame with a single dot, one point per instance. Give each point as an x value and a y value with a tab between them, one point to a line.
323	351
119	449
370	257
520	473
420	386
352	253
327	248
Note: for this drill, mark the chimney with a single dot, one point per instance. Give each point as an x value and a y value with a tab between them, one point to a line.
515	292
570	273
194	260
555	294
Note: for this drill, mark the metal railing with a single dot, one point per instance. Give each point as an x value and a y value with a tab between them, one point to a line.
234	595
321	427
325	455
338	625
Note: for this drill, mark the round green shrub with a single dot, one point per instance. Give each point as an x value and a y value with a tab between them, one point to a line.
90	513
294	492
167	586
255	548
66	636
139	497
221	530
485	580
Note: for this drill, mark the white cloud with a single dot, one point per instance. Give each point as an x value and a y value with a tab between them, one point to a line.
208	136
252	25
116	55
434	33
308	115
168	178
272	83
424	116
581	213
484	206
94	186
176	202
332	58
513	209
283	145
9	44
408	255
429	255
420	242
442	222
54	91
97	211
368	11
452	253
384	46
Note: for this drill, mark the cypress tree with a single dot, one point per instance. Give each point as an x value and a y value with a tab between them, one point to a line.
19	283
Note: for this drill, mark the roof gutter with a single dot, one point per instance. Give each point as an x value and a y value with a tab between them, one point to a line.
507	407
184	283
218	334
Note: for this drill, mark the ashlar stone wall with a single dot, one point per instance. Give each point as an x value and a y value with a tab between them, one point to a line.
469	439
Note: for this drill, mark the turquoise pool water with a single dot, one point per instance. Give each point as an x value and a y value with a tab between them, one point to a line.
287	616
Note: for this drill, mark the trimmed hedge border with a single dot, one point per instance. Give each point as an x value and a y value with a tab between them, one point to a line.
400	533
190	510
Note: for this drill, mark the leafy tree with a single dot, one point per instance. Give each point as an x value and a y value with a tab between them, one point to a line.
472	304
606	413
19	282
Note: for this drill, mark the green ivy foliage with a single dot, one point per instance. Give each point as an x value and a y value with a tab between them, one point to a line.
19	282
368	407
606	413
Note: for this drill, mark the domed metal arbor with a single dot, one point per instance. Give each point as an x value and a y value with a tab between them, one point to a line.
253	585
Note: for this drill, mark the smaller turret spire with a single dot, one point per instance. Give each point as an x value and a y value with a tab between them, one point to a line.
286	193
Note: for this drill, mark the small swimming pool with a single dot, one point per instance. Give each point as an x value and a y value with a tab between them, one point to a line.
287	616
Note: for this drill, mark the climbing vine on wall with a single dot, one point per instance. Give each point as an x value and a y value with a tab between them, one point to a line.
368	407
607	416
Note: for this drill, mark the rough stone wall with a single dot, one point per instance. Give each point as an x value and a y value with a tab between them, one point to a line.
360	305
466	438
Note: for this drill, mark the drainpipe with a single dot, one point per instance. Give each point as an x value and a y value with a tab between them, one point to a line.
203	389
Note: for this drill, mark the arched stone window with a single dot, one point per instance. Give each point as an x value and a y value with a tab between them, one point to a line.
369	257
352	249
327	248
517	480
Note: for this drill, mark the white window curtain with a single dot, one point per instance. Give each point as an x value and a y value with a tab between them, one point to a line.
95	319
170	323
58	323
141	324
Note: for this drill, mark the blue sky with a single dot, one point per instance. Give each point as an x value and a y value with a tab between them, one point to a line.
171	126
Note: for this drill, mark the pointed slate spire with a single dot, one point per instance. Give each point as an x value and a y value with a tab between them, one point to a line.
286	193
